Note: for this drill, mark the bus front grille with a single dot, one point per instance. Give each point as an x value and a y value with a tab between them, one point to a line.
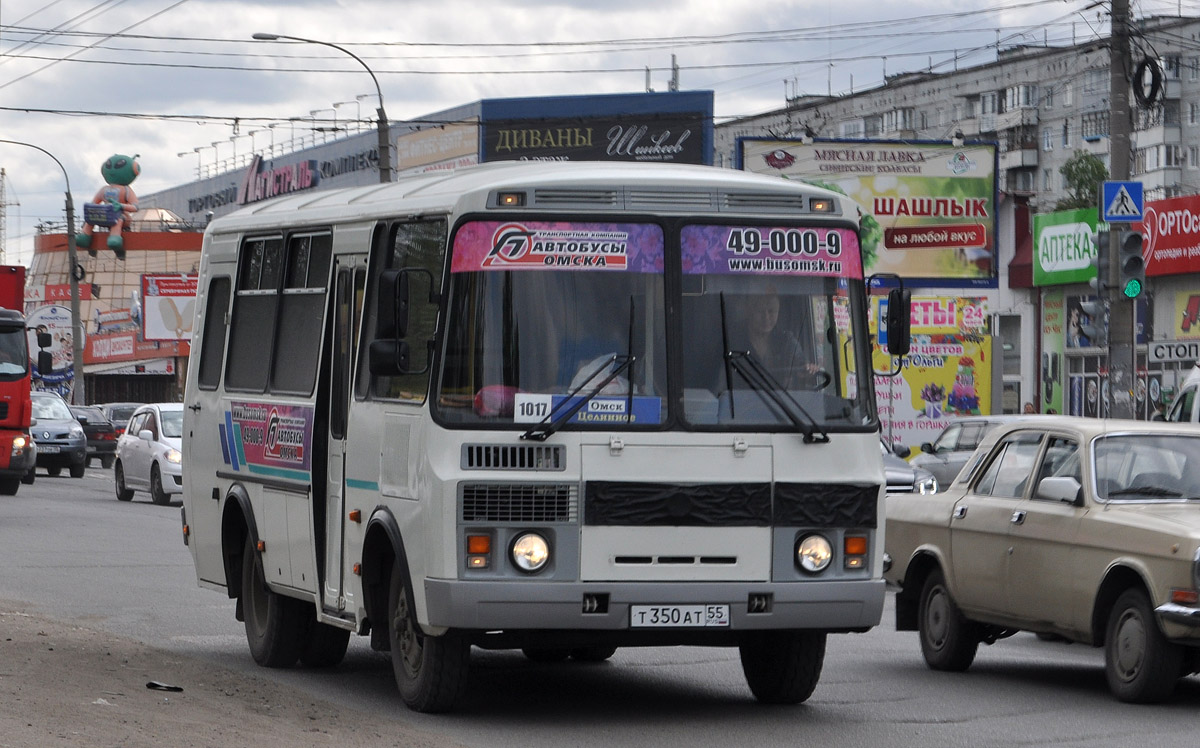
513	457
519	502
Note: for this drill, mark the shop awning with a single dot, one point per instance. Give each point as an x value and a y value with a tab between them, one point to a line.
1020	270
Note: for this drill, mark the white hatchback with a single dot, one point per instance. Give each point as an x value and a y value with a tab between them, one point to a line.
148	453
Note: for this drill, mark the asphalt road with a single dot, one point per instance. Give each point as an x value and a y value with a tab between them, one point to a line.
70	551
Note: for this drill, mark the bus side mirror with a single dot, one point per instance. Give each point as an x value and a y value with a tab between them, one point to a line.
44	340
899	320
45	362
392	305
388	358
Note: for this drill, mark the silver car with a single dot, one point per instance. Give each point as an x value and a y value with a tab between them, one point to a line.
148	453
946	456
902	477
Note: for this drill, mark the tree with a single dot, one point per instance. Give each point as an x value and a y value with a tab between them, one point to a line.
1084	174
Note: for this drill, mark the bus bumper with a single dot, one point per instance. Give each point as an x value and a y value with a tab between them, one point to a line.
829	606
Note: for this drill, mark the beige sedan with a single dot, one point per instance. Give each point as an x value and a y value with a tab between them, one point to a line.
1077	528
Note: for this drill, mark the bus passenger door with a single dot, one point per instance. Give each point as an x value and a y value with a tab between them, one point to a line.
349	280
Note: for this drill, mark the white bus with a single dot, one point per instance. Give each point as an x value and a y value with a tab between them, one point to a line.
555	407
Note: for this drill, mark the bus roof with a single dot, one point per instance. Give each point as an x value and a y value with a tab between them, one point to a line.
570	185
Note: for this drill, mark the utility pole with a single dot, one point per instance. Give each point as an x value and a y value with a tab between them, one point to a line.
3	217
1122	364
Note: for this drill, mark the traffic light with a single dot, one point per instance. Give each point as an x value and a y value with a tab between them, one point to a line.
1101	238
1132	280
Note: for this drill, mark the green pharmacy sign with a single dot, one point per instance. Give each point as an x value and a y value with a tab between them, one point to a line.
1064	247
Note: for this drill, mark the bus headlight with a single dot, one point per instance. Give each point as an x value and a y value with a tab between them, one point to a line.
813	553
530	552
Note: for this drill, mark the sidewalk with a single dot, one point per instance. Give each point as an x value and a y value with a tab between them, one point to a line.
63	685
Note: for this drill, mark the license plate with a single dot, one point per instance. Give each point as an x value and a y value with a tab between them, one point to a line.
678	616
50	449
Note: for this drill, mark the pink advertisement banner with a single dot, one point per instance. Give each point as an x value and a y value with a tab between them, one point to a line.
544	245
761	250
268	438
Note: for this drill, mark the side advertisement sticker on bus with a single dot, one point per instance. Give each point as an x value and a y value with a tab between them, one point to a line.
541	245
268	439
729	250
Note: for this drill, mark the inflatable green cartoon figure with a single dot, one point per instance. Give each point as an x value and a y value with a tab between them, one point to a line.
113	206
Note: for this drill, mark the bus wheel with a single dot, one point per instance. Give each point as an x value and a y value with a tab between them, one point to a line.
782	667
325	645
9	486
274	622
431	671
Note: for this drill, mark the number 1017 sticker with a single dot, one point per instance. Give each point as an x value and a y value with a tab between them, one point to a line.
530	408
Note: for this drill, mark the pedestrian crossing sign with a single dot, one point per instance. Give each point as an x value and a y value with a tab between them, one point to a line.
1121	202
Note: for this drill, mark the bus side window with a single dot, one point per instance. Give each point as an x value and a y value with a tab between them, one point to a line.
212	346
252	330
301	311
418	244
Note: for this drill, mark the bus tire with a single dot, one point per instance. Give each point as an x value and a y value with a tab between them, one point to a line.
9	485
431	671
325	645
274	622
782	667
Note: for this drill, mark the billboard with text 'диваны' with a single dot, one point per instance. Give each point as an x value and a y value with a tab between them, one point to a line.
931	206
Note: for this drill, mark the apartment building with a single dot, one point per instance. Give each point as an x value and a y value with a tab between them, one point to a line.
1039	106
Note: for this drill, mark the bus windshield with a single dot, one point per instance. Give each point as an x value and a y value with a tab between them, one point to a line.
766	326
563	325
541	310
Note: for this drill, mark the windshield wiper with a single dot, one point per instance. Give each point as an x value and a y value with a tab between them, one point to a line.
769	388
542	430
554	421
761	381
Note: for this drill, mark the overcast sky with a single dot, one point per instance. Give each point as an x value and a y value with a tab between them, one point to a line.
85	79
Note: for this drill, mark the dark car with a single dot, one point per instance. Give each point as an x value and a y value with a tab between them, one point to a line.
119	414
101	434
59	437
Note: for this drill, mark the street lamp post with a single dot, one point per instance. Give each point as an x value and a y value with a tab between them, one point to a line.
78	392
385	154
357	111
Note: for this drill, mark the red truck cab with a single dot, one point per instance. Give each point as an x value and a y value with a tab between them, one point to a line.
17	452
